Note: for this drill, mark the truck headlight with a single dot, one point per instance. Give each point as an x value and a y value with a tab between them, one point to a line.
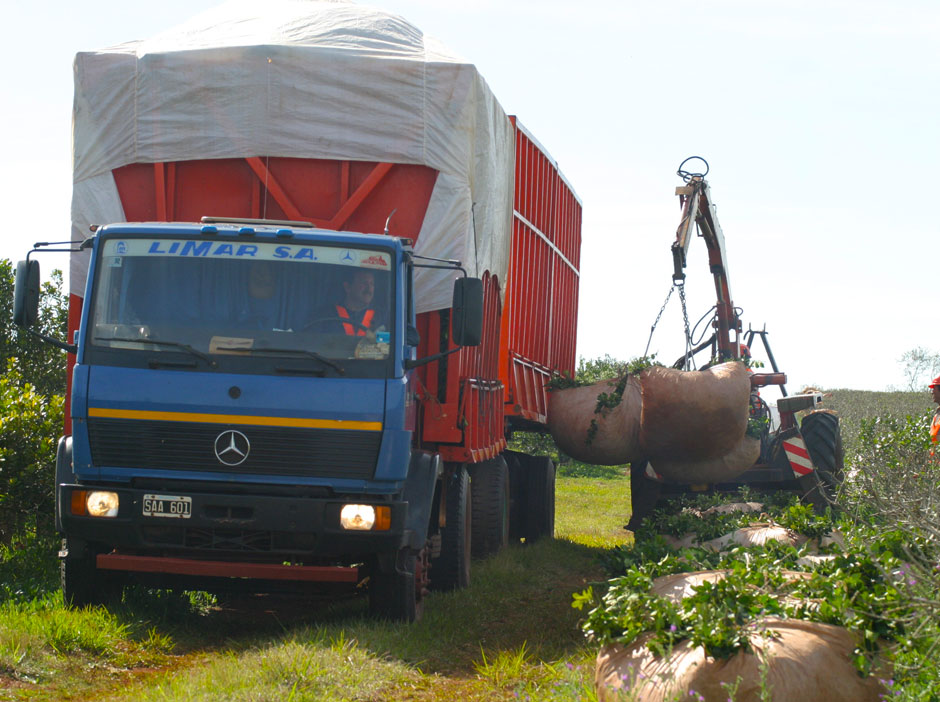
366	517
102	504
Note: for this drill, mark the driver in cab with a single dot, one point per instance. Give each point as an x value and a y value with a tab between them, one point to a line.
355	315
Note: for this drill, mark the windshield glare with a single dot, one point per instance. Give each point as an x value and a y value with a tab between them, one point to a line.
230	297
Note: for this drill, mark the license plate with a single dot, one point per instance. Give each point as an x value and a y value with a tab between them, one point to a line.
168	506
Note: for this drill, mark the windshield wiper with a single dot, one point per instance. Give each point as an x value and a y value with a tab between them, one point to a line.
286	352
155	342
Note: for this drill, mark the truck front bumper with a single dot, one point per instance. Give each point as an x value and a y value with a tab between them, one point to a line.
261	528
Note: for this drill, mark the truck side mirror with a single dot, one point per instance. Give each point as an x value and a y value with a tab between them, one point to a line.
467	320
26	294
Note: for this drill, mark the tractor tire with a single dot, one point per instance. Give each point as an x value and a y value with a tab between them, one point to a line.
540	494
489	507
398	595
451	570
823	439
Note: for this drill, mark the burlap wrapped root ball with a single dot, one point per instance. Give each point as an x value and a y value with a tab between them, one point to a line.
710	470
793	659
665	415
693	415
616	438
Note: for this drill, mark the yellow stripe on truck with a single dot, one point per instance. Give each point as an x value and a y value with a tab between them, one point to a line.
304	423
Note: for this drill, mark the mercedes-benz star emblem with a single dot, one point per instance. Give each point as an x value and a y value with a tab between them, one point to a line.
232	447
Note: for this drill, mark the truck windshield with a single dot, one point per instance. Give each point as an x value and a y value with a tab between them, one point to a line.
219	300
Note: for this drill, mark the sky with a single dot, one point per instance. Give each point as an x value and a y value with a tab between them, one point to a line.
820	121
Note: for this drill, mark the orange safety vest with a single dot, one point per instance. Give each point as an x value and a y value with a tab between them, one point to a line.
934	431
348	327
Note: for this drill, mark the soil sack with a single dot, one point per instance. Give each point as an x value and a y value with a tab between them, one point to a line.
693	415
710	470
615	442
756	535
664	414
794	660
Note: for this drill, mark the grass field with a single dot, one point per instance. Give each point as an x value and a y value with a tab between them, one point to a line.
512	634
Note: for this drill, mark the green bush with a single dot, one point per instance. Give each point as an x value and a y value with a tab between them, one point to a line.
32	389
30	425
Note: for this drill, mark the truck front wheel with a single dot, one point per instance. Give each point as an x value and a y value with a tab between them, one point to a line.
398	593
82	583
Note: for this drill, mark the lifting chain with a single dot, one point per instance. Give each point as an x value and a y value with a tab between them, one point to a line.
685	321
653	328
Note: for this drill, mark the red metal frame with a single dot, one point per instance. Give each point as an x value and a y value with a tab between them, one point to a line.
528	336
540	309
462	398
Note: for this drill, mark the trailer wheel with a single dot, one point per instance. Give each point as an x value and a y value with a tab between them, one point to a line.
489	507
83	585
540	517
823	439
517	496
398	594
451	570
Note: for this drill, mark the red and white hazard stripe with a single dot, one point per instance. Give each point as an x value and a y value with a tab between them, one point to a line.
798	456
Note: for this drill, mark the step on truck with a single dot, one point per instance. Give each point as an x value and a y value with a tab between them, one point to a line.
317	278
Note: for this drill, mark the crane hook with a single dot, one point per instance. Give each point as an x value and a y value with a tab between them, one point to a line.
688	175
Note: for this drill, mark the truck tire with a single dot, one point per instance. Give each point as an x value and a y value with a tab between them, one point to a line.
517	496
451	570
489	498
823	439
83	585
540	488
398	594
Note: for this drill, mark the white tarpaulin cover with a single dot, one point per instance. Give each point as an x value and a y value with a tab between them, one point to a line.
302	79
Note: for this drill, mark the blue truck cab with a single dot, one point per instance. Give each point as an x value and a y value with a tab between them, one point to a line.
243	413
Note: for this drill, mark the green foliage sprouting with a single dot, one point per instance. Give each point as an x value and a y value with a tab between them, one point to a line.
607	401
880	584
858	589
589	371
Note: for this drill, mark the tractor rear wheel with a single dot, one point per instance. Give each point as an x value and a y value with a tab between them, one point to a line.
821	432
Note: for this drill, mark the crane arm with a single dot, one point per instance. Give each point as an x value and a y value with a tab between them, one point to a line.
699	210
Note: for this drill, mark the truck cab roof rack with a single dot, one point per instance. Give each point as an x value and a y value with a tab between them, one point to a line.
263	222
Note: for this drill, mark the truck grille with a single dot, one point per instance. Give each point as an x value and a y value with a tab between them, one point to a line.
322	453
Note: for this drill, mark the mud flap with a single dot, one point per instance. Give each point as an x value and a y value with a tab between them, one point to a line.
423	473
